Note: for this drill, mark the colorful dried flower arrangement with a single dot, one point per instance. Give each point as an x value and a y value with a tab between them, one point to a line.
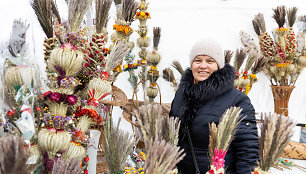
285	53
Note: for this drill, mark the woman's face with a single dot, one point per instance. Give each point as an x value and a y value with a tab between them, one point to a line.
202	67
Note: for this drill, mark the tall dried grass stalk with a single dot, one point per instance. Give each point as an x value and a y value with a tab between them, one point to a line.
251	59
228	54
13	157
240	55
156	37
291	15
70	166
222	136
275	133
43	11
177	65
259	24
168	75
148	121
128	10
70	61
280	15
162	157
117	146
53	142
102	13
213	130
77	9
115	57
260	62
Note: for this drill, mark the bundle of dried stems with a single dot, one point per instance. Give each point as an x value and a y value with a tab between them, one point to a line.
221	137
117	146
67	167
275	132
13	157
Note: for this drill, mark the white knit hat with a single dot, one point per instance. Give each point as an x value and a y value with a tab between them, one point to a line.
209	48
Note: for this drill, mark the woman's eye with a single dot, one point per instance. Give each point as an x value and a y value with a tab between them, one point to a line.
210	61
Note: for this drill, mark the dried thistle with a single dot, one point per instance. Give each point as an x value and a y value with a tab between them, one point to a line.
43	11
177	65
66	167
162	157
117	146
279	15
239	58
128	10
102	13
276	131
168	75
291	15
17	43
13	157
228	54
77	9
156	37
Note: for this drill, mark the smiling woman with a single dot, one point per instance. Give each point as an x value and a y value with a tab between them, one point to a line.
206	90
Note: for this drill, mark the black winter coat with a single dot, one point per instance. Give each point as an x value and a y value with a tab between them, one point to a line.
199	104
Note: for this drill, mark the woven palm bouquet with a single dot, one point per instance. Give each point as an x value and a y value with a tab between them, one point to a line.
284	49
220	138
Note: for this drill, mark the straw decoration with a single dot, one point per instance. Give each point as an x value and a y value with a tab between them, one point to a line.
74	151
102	13
276	131
17	42
291	15
52	141
115	57
156	37
118	145
84	123
239	58
228	54
43	11
77	9
279	15
177	65
70	61
97	88
62	166
162	157
13	157
128	10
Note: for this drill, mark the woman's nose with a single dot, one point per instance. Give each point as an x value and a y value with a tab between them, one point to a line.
203	64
